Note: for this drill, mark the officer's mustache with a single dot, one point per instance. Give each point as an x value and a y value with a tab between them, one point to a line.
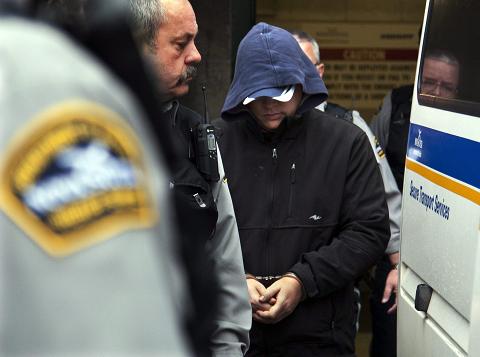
189	73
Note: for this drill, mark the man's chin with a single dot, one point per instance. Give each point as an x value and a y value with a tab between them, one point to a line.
179	91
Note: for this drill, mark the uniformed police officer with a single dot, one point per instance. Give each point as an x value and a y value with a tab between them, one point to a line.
166	30
88	257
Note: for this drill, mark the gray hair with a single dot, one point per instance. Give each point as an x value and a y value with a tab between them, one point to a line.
305	37
146	18
443	56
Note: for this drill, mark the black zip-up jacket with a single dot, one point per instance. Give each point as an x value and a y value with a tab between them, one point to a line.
309	199
196	224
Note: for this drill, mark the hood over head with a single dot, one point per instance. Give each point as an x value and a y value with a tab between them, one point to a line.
269	62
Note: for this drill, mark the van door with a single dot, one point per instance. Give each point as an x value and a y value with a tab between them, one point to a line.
441	192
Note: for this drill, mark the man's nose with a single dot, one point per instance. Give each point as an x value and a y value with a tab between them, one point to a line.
437	89
269	102
194	56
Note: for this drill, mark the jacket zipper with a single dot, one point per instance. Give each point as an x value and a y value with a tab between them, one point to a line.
292	190
332	320
272	202
274	158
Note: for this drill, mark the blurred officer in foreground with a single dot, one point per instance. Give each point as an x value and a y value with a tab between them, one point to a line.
166	31
88	259
104	28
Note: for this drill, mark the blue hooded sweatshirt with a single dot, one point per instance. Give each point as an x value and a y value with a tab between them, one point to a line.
267	57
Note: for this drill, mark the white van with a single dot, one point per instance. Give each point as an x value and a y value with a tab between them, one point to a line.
439	300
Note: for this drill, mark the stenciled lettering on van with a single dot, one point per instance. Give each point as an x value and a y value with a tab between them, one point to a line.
431	202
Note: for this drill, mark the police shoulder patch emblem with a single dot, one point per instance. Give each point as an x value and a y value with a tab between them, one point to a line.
379	148
75	177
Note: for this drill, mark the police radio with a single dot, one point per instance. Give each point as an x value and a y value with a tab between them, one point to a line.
206	146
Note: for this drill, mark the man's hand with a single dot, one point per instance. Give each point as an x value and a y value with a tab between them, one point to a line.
287	292
255	291
391	284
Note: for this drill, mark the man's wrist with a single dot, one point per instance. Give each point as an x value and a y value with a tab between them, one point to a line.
295	276
395	266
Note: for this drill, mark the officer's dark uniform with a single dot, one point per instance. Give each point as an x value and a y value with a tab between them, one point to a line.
206	219
396	149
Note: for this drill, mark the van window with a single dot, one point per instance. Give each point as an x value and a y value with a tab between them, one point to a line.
450	65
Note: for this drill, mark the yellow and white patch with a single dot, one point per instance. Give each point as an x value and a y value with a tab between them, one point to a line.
75	177
379	149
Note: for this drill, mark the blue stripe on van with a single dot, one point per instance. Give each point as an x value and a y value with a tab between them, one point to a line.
451	155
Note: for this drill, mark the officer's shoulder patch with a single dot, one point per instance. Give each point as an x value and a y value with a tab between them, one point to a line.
73	177
378	148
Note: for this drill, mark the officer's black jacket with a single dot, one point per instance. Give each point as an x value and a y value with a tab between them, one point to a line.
187	180
309	199
396	148
196	224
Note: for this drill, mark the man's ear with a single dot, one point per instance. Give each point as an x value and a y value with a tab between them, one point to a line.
320	69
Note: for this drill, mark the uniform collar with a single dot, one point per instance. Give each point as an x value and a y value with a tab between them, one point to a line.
171	107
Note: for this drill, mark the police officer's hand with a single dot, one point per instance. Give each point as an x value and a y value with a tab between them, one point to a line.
391	285
255	291
288	292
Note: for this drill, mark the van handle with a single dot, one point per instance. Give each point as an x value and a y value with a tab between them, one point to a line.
422	297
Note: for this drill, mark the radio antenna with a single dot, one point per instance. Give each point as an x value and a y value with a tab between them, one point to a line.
205	116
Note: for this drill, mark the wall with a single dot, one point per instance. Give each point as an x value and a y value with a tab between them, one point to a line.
214	43
222	24
368	47
360	84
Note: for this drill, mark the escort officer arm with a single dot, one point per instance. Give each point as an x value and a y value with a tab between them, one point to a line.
392	193
233	321
394	203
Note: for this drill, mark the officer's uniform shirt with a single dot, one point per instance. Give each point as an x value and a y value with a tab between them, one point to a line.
87	256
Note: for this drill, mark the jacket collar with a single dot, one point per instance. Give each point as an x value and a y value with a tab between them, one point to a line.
289	129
